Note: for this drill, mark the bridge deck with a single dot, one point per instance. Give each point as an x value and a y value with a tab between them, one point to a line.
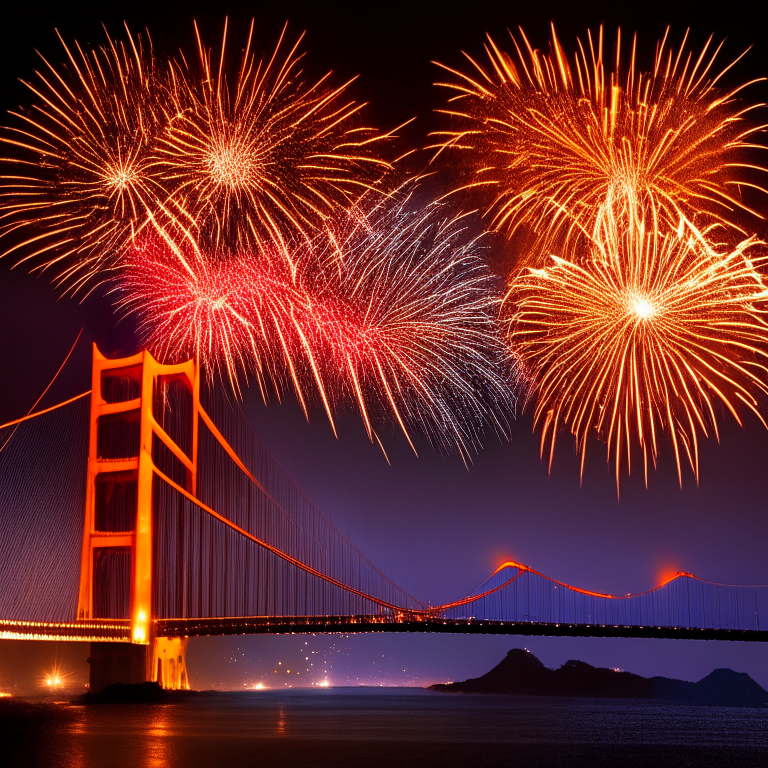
119	631
357	624
101	630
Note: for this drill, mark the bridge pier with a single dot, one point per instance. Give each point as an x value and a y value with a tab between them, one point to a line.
111	663
164	661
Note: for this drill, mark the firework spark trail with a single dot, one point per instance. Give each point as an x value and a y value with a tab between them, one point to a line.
269	154
549	138
648	333
77	183
390	309
404	313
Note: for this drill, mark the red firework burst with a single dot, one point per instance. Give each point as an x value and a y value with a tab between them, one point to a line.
391	309
233	315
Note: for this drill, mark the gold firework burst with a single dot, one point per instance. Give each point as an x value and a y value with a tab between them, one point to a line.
268	154
549	137
651	332
78	183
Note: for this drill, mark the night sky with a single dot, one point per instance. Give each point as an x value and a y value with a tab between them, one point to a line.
433	525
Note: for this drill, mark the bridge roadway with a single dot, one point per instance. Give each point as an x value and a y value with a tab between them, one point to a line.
119	631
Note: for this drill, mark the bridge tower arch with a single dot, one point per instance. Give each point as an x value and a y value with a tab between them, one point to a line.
143	414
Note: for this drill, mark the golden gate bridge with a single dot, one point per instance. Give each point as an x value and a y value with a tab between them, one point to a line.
147	510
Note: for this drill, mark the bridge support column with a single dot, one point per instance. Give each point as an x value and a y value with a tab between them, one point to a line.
169	663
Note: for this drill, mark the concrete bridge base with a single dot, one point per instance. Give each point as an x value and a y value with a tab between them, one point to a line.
112	663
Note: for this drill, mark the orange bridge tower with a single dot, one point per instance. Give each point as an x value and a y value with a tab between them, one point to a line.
142	413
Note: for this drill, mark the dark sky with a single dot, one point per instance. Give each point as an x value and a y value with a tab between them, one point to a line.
432	524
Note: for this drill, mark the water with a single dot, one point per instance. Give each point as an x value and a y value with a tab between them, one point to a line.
397	728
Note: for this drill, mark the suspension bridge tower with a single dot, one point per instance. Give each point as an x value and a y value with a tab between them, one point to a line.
143	415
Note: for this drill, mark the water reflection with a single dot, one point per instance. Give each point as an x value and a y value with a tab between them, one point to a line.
280	728
77	723
333	729
72	748
158	751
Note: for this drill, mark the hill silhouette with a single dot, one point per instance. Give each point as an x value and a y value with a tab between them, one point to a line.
520	672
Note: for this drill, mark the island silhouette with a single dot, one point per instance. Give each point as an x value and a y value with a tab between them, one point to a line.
521	673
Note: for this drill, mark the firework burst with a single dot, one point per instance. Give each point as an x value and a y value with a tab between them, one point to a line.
389	309
647	333
268	154
404	312
115	144
79	183
550	138
231	314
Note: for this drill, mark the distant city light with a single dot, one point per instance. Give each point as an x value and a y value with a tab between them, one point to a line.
55	679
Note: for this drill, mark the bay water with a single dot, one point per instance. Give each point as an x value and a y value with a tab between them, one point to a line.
396	728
